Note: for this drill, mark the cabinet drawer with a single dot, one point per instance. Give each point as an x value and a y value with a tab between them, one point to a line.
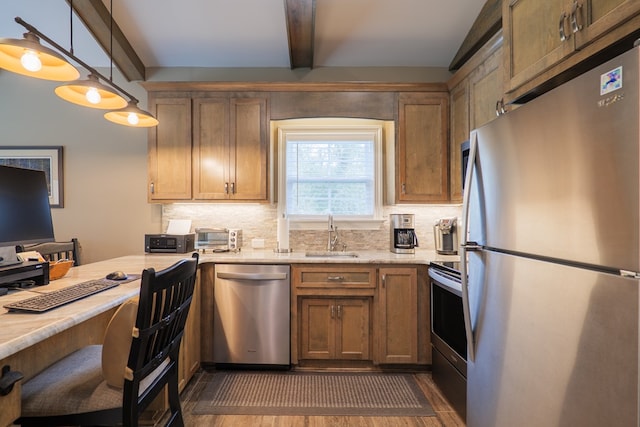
334	276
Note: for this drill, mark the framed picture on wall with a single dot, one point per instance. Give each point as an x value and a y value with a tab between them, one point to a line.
44	158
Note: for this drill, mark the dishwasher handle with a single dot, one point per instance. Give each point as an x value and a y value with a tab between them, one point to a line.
252	276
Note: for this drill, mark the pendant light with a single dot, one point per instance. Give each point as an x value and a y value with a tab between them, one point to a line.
29	58
131	115
91	93
88	93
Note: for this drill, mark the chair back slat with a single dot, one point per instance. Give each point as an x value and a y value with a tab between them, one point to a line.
165	299
55	251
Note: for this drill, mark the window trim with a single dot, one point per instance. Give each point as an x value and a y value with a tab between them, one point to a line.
377	129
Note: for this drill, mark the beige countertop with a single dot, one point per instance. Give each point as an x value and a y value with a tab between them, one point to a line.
295	257
21	330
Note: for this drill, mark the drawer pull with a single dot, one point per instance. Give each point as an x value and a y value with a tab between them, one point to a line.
335	278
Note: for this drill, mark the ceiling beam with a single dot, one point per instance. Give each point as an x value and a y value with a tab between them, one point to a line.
300	15
97	18
488	22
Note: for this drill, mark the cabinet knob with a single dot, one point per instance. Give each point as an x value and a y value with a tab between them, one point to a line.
226	188
152	188
335	278
384	280
339	312
233	188
333	311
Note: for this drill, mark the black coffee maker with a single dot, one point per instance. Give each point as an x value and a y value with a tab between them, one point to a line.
403	239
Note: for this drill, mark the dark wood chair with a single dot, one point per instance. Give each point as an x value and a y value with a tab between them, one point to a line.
54	251
74	391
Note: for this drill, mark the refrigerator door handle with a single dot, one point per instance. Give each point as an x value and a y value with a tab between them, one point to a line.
468	246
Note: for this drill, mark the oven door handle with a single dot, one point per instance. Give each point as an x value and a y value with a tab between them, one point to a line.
446	282
466	307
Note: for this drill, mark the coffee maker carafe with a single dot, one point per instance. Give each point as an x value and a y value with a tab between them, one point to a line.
403	238
445	232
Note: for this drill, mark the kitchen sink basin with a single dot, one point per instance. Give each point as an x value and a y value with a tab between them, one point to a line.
331	254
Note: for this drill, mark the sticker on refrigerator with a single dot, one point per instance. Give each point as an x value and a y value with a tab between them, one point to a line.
611	81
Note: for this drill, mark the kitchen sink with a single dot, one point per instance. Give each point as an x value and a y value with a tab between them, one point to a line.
331	254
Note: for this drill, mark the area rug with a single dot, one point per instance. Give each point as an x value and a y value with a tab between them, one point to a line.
303	393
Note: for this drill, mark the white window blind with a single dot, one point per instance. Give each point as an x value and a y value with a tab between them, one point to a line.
332	176
330	169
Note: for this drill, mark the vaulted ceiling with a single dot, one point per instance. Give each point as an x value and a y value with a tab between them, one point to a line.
251	33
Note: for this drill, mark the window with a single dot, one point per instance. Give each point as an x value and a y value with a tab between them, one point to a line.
330	167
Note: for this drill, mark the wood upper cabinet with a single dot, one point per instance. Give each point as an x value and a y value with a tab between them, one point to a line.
541	34
169	151
397	311
459	133
216	149
476	90
422	173
230	149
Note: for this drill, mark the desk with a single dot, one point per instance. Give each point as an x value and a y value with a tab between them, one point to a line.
31	342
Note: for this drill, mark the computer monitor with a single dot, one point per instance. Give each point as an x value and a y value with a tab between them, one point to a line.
25	214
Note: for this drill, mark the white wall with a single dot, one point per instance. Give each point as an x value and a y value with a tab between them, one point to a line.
105	165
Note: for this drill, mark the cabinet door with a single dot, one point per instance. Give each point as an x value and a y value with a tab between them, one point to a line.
594	18
249	143
486	88
317	328
211	148
422	172
397	315
459	133
352	334
170	150
532	37
190	344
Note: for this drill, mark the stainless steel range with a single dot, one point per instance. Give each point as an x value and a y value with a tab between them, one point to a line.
448	338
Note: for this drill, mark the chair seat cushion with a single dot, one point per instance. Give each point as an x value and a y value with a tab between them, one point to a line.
77	384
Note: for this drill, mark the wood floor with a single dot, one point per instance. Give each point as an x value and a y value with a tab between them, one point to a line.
445	415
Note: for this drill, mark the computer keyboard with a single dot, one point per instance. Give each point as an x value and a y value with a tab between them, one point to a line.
53	299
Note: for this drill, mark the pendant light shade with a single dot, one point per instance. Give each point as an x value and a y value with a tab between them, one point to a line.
132	116
29	58
91	93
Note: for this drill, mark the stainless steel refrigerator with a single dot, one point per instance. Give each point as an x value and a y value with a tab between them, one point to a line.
551	234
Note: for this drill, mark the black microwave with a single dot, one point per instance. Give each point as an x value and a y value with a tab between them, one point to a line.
465	149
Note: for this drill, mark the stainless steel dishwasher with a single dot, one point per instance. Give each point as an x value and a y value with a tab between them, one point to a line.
252	315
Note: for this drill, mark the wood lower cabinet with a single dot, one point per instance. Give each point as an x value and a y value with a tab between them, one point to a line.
335	328
397	313
377	313
422	156
191	343
331	312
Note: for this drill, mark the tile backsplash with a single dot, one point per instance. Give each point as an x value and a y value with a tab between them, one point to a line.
259	221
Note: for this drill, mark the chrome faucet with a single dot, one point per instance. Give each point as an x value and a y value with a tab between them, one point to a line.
333	235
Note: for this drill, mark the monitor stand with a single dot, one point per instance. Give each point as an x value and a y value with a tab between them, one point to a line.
8	256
